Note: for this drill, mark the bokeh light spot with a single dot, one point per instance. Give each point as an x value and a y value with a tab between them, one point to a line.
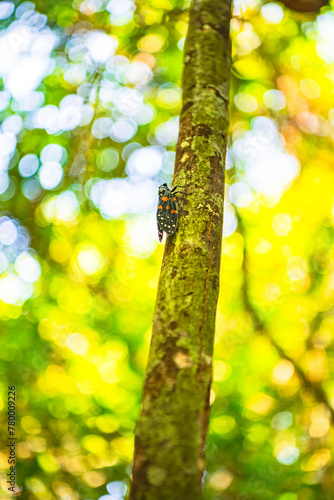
78	343
28	165
283	372
90	260
8	231
221	480
272	12
6	9
27	267
286	454
151	43
246	102
50	174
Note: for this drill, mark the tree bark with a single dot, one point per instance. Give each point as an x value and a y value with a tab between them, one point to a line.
171	431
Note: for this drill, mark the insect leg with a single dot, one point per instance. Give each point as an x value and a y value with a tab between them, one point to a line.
175	189
178	192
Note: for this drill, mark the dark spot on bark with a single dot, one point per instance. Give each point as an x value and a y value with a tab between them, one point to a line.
215	284
164	374
186	106
165	444
173	274
172	325
203	130
224	30
183	213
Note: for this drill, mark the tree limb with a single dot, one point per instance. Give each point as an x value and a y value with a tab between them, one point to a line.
170	435
259	325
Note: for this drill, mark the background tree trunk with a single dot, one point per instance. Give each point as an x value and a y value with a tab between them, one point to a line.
171	431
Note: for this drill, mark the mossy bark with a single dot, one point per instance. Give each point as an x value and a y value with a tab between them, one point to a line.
170	435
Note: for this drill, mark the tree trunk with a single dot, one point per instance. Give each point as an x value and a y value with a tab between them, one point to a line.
170	435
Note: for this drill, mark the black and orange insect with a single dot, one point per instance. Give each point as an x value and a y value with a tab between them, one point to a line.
167	211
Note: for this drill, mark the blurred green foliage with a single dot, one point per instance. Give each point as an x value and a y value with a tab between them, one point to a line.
91	91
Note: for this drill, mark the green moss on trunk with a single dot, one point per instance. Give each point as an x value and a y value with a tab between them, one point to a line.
170	435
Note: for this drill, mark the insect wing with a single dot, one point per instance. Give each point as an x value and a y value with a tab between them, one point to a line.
171	216
159	222
162	213
167	214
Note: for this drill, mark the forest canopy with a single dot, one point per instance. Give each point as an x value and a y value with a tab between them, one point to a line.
90	101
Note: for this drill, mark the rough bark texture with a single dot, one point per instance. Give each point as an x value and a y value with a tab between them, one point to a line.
170	435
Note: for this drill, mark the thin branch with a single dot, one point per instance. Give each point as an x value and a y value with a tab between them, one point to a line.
260	325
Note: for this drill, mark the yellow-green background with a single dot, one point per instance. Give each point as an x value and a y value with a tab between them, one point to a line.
75	327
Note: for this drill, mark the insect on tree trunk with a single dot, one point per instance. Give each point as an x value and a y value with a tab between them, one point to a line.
171	431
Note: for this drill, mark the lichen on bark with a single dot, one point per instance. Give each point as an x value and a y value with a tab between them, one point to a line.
170	435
